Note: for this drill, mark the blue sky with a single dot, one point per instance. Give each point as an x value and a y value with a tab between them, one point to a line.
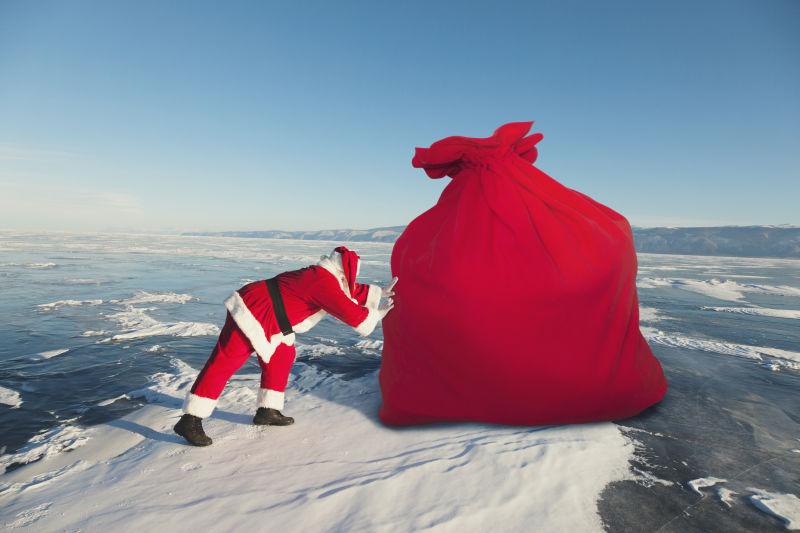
164	116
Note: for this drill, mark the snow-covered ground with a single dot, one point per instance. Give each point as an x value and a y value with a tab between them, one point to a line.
337	468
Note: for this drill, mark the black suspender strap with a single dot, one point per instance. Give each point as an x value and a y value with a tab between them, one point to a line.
278	307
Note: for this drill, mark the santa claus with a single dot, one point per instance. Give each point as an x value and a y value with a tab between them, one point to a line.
264	316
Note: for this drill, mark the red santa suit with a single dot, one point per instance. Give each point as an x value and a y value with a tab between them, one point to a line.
308	294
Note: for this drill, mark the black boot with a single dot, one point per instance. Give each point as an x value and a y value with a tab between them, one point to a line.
190	428
271	417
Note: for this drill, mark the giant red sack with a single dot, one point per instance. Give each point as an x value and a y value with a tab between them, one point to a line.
516	301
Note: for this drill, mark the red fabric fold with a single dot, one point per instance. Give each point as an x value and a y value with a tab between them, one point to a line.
448	156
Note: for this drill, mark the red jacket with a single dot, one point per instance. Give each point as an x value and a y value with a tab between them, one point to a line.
308	294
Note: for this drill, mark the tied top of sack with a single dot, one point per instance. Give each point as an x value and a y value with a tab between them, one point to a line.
450	155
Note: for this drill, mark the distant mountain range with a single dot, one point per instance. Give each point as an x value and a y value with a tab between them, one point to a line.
746	241
389	234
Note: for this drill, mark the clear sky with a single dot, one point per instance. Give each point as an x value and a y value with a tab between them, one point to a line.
187	115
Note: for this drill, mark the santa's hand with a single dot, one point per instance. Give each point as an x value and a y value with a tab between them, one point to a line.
384	308
387	292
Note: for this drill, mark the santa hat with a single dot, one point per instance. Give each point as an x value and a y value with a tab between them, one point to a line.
350	264
344	264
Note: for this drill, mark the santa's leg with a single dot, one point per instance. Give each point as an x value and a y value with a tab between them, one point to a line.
274	377
229	354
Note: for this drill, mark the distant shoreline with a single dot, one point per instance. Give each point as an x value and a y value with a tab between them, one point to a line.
731	241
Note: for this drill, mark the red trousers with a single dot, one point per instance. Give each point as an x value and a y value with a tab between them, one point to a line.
230	353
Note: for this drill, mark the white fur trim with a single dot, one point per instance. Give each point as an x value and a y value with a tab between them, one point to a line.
310	322
198	406
252	329
271	399
368	325
374	296
333	264
249	325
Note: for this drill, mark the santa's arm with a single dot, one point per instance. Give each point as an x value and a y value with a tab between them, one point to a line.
367	295
329	295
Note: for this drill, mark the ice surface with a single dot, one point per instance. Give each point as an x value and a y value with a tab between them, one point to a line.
10	397
338	467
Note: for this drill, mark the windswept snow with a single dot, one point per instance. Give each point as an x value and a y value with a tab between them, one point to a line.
136	323
716	288
177	329
784	358
67	303
649	314
47	444
785	507
10	397
725	495
758	311
704	482
144	297
336	468
370	344
49	354
318	350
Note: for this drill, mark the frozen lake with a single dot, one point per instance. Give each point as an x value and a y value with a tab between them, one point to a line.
96	327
